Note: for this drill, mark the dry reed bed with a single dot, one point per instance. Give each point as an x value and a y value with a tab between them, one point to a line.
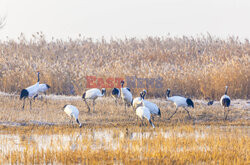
181	144
197	67
108	114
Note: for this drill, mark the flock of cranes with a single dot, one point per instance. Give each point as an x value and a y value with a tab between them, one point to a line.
144	109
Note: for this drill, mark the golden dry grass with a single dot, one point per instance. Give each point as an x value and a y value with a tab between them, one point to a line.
107	113
185	144
196	67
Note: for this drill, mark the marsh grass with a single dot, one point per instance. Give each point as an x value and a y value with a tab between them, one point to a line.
110	135
196	67
130	145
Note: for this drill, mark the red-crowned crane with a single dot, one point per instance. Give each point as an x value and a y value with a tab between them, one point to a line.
72	111
180	101
154	110
93	94
225	102
144	112
30	91
126	95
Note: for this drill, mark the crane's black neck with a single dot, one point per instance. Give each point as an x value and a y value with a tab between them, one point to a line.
38	79
142	95
168	93
226	91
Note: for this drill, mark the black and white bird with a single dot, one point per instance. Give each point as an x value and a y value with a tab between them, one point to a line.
211	102
154	110
225	102
126	95
30	92
115	93
180	101
72	111
93	94
42	89
144	112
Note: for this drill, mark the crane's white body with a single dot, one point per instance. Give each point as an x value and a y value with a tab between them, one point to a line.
137	102
224	97
144	112
72	111
33	90
179	101
153	108
126	95
93	93
42	88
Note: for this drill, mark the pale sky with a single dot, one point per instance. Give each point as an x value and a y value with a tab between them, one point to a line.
126	18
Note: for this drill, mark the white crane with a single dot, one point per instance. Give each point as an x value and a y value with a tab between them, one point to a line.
42	89
180	101
154	110
126	95
30	92
72	111
137	101
93	94
225	102
144	112
115	93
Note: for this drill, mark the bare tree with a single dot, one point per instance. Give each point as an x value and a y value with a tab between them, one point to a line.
2	22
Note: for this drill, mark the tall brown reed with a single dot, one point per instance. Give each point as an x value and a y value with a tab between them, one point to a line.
197	67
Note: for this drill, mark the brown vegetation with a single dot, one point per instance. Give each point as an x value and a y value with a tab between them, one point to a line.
196	67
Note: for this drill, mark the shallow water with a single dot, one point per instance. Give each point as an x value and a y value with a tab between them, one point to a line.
102	138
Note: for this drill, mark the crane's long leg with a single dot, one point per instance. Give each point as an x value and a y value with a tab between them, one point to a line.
116	101
23	103
93	105
152	117
30	104
137	121
70	121
125	105
45	97
227	113
87	105
172	114
188	113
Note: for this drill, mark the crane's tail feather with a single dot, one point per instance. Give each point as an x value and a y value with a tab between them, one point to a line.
159	113
24	94
83	96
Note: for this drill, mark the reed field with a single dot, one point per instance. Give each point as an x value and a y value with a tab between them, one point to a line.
198	67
